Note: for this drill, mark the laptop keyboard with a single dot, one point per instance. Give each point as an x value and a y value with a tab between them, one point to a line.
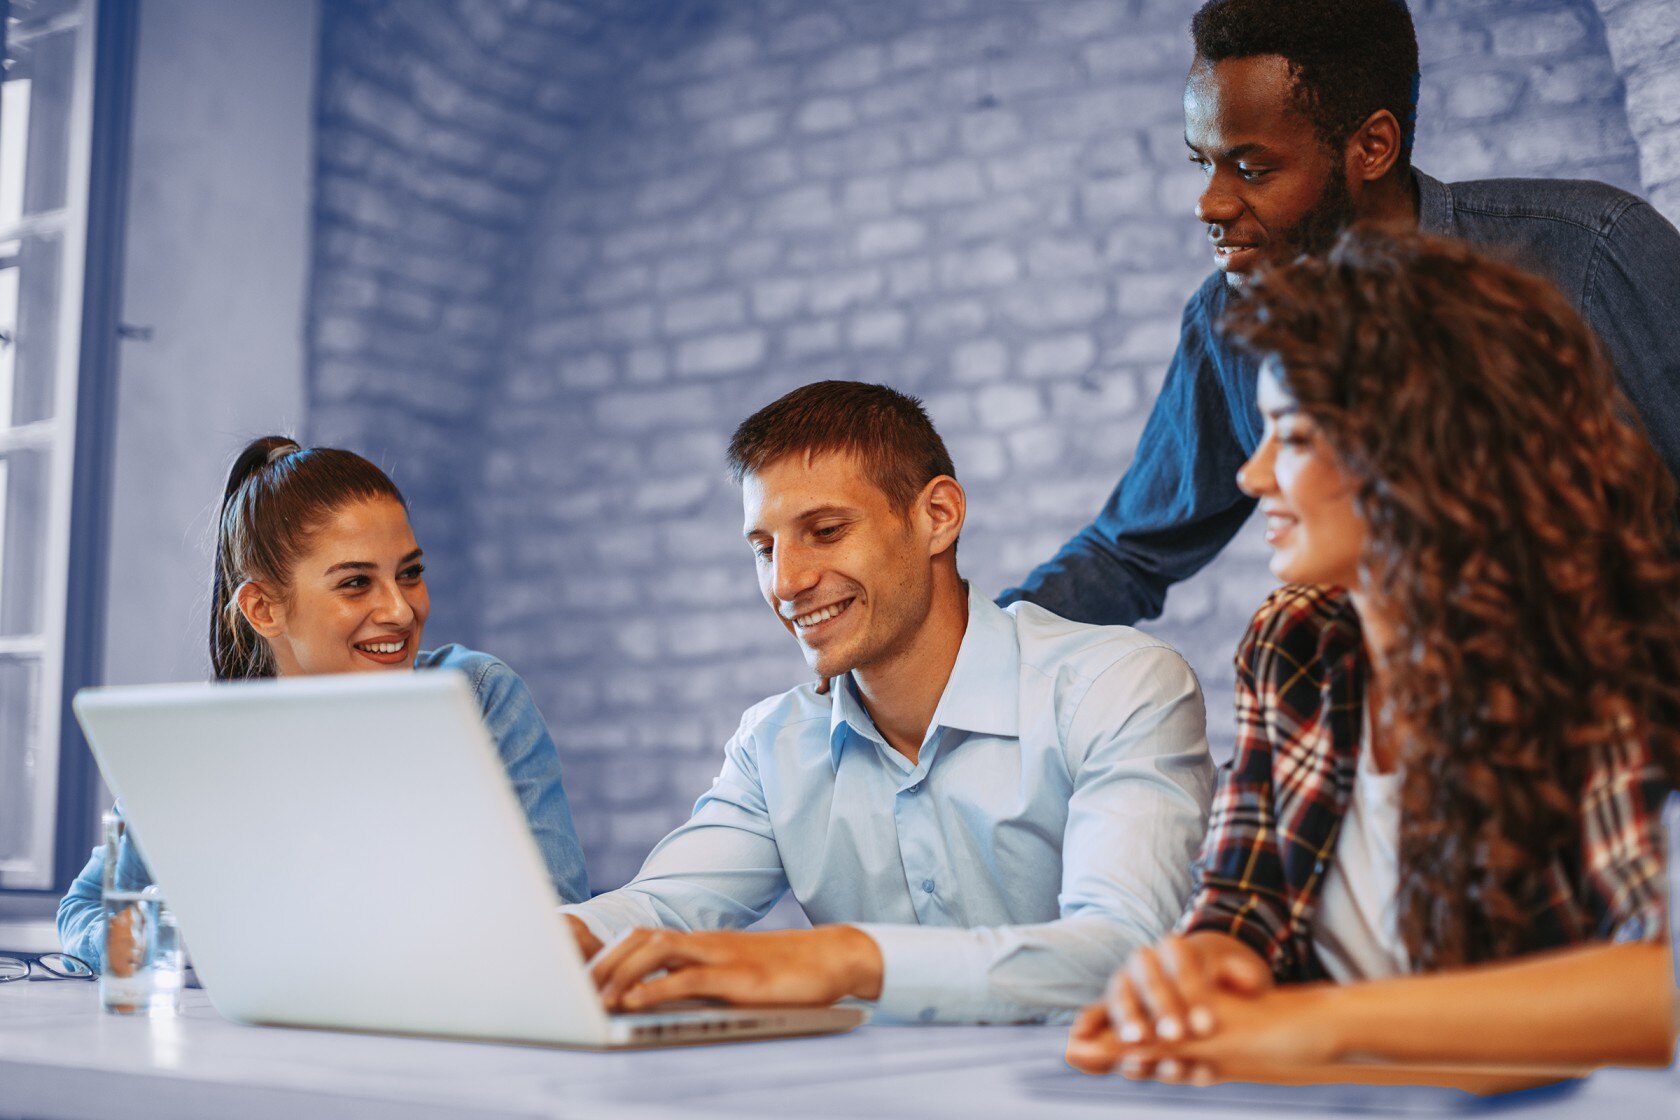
692	1026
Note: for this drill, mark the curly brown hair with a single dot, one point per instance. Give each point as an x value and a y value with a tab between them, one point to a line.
1520	536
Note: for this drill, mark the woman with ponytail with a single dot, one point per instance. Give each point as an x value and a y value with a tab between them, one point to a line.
317	571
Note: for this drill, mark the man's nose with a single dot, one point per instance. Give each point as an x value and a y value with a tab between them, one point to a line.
793	573
1217	205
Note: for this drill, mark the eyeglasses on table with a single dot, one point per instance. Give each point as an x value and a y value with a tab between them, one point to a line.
45	966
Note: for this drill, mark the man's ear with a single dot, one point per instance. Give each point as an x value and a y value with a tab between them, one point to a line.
1374	148
262	608
945	506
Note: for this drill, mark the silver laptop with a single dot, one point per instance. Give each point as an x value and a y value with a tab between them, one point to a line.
346	852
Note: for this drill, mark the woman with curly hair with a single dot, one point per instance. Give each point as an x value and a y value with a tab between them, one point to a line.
1458	723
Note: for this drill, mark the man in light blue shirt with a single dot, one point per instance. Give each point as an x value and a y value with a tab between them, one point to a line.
984	815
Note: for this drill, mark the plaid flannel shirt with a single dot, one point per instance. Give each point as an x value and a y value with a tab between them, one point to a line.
1280	801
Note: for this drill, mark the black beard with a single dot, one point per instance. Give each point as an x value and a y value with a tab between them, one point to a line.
1318	228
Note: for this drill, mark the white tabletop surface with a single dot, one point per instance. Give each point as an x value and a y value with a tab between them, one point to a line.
61	1058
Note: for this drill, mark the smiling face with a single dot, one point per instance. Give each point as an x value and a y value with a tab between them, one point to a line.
1316	533
1273	190
850	577
356	599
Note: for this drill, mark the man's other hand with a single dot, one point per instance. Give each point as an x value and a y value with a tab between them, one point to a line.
588	944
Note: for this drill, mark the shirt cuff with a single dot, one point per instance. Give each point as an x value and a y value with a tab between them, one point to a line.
929	975
604	932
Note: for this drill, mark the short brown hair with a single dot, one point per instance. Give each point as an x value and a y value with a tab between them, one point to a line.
887	430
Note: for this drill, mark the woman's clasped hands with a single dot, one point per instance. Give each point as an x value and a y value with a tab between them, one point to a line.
1196	1009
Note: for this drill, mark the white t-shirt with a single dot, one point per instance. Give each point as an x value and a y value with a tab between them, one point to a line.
1357	934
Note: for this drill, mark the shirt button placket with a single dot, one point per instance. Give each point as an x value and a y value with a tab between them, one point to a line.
917	832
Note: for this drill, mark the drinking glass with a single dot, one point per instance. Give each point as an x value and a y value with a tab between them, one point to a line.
142	974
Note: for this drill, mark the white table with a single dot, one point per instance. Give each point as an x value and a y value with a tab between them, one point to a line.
61	1058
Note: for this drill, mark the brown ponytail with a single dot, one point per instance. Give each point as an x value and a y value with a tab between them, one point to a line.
277	494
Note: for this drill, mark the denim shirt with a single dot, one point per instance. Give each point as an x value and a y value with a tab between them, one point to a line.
528	755
1610	253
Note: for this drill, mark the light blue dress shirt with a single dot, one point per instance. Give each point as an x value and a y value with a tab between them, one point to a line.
1046	830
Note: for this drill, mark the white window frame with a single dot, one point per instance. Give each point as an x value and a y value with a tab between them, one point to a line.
56	435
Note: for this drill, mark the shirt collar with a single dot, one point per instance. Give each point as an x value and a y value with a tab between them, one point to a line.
848	715
1435	205
982	695
1340	635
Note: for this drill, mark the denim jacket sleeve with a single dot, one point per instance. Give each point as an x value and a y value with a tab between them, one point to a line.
1632	300
81	913
533	765
1177	504
81	919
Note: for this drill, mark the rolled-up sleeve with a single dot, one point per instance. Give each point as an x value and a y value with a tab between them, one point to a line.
81	917
1240	882
81	912
1621	824
1176	506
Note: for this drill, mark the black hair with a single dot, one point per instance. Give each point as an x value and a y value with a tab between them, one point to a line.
1350	58
277	494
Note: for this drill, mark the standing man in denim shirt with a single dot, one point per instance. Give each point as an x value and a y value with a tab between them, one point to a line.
1301	114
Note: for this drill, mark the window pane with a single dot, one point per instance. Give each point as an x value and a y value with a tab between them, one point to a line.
14	134
23	537
34	346
29	14
46	64
8	335
44	132
19	766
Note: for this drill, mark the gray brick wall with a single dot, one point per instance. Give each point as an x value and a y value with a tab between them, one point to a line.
1644	38
984	202
439	126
